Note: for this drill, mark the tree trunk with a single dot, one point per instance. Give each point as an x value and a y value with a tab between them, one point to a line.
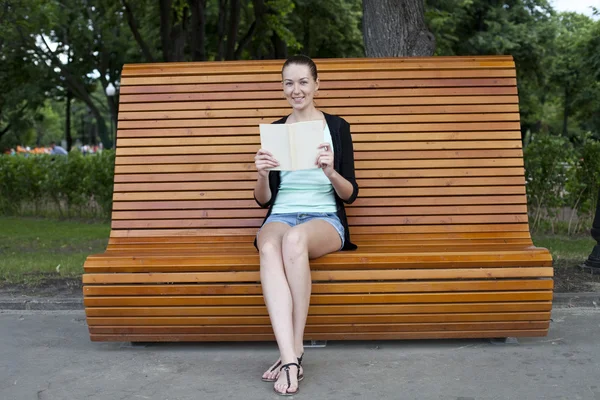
396	28
565	129
221	29
4	130
234	24
198	24
280	47
136	32
68	136
165	28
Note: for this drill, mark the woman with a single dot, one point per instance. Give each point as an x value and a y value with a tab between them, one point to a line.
306	220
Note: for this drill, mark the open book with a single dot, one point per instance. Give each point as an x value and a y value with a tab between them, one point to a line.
294	146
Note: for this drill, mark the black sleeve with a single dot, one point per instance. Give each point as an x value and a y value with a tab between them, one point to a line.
268	203
347	167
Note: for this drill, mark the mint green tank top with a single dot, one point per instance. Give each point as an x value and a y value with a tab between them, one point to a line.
306	190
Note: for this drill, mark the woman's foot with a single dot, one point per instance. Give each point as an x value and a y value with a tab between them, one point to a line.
272	374
287	384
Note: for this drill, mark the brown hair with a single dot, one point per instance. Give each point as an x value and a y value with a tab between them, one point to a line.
300	59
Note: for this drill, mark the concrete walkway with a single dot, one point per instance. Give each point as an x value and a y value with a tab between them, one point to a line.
48	355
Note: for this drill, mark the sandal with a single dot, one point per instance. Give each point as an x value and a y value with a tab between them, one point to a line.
286	368
300	376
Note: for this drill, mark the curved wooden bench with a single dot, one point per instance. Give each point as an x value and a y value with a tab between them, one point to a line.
441	219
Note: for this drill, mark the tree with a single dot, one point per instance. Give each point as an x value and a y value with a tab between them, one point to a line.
396	28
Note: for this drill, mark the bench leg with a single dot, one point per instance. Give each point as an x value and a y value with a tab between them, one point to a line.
315	343
135	345
505	340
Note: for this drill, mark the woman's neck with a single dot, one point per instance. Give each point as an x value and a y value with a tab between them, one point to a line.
308	114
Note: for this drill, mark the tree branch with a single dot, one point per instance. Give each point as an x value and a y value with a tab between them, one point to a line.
136	33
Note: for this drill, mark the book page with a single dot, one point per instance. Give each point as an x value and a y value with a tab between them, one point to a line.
305	138
276	139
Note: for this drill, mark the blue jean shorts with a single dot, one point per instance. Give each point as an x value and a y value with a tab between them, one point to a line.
293	219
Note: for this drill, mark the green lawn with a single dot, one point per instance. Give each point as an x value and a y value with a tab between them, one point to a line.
566	251
32	250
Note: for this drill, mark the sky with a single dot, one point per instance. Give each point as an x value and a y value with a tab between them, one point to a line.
580	6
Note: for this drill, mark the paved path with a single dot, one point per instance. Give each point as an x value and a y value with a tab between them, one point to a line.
48	355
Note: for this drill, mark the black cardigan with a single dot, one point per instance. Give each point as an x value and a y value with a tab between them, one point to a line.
343	163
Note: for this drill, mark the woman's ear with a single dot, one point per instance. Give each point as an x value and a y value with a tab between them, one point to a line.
317	85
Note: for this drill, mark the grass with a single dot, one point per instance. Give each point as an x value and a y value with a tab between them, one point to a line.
34	249
566	251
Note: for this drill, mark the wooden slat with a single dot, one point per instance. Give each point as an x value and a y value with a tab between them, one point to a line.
208	68
253	276
484	148
323	75
324	85
147	264
373	309
323	336
363	110
371	183
368	119
367	192
317	288
389	128
354	211
443	140
360	175
318	329
321	319
356	230
317	299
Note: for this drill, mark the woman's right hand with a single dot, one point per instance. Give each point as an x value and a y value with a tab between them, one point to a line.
263	161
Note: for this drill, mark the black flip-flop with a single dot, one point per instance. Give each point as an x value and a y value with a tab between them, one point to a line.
286	368
300	376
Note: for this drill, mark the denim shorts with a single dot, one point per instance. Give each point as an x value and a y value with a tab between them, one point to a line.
293	219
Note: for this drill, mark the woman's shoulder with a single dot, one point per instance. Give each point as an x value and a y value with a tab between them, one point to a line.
335	119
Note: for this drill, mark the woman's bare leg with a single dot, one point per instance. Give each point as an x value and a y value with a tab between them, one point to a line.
276	291
309	240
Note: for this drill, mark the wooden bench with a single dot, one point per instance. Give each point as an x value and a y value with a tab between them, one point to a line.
441	219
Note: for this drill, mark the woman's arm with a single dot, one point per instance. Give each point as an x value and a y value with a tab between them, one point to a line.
343	182
262	192
263	161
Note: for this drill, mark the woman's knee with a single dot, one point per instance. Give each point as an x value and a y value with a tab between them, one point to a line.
294	244
269	248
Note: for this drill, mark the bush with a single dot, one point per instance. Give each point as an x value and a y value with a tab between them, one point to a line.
48	185
562	177
549	162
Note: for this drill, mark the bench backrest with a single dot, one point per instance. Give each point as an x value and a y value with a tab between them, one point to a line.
437	145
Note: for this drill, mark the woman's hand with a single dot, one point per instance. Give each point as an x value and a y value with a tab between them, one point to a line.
325	159
263	161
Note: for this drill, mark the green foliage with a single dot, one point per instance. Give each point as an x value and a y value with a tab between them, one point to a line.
548	162
587	176
557	57
66	186
560	175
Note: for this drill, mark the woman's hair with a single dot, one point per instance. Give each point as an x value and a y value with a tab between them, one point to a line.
300	59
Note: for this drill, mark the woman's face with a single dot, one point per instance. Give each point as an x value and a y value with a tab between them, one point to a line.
299	86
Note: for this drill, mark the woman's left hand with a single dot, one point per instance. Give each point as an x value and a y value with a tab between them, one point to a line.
325	159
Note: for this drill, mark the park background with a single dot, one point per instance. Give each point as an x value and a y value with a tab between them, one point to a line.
59	79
